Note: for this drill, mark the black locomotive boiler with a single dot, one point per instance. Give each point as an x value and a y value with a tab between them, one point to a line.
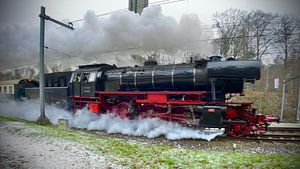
192	94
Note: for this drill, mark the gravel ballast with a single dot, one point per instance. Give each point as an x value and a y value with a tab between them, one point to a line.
27	145
23	151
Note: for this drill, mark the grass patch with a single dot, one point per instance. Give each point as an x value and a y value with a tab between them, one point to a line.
136	155
9	119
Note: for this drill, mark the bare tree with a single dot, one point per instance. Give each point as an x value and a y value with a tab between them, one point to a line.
286	31
251	35
261	23
56	68
233	27
24	72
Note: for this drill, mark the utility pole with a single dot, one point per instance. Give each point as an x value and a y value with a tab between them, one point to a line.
283	97
137	6
43	118
267	86
282	100
298	107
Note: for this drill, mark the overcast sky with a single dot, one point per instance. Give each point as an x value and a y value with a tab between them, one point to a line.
170	27
14	11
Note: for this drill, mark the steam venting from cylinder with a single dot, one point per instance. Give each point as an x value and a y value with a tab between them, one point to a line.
150	128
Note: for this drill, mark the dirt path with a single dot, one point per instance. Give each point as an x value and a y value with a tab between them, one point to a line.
23	151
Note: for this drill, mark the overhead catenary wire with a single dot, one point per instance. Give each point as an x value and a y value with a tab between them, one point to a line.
130	48
161	2
106	51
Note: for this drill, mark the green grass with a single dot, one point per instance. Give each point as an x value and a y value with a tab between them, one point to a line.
135	155
8	119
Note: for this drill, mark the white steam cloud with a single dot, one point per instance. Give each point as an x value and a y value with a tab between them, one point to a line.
149	127
30	110
97	38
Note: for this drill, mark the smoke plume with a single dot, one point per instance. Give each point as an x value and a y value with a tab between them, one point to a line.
148	127
105	39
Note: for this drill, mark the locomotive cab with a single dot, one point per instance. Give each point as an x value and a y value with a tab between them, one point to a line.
83	83
88	79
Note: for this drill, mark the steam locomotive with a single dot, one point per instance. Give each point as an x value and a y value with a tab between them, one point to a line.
194	94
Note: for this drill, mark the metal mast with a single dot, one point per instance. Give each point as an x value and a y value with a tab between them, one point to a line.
43	119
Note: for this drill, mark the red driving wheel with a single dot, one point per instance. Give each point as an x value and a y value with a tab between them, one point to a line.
122	109
236	130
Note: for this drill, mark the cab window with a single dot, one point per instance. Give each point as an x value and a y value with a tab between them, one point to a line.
92	77
72	78
76	77
85	77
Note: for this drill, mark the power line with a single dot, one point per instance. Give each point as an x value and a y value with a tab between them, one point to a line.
68	56
36	63
161	2
46	47
115	50
127	49
104	52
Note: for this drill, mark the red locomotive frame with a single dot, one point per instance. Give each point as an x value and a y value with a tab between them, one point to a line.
239	119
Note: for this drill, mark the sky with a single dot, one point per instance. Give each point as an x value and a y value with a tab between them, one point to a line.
16	11
165	26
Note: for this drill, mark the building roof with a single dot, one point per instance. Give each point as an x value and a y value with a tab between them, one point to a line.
10	82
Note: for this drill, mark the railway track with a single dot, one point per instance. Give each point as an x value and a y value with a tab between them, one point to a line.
276	137
268	137
283	134
280	134
284	129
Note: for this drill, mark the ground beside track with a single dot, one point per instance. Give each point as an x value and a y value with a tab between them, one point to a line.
22	147
287	125
81	149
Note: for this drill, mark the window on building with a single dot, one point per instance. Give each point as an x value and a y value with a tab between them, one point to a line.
4	90
0	89
10	90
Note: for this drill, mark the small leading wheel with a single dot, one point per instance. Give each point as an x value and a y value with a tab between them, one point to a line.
236	130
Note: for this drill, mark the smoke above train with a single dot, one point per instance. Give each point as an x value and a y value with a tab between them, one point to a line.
108	40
